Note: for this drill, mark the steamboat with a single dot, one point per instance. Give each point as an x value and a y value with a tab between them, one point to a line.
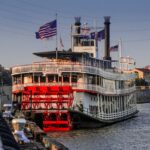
75	88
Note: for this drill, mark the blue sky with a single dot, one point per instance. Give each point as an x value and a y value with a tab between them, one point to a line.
20	19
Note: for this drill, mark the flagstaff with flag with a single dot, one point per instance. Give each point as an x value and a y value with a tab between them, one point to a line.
47	31
114	48
98	35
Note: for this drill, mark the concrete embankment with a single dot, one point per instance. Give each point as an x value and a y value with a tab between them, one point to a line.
40	139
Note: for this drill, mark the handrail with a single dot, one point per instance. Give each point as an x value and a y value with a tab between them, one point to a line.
77	86
105	116
58	68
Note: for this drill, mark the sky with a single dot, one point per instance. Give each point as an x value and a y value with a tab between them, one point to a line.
20	19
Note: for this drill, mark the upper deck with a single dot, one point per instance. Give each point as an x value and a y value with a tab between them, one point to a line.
74	62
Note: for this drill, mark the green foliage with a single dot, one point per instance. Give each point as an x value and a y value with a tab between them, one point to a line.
140	82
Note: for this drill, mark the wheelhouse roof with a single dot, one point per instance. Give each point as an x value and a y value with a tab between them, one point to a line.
61	54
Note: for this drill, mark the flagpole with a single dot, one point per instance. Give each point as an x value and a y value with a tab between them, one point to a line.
120	52
56	39
96	41
71	40
120	49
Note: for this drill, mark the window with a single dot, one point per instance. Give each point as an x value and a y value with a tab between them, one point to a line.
66	78
74	78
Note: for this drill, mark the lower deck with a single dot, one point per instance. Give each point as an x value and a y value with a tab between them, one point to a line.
55	103
74	120
82	120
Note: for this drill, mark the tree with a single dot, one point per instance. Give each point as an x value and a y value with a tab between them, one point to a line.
140	82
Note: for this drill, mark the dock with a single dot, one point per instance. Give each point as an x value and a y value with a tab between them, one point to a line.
38	138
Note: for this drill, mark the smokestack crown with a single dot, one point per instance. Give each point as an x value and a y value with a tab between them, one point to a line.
77	21
107	19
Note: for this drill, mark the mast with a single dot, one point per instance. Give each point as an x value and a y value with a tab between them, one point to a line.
71	40
120	48
96	41
120	53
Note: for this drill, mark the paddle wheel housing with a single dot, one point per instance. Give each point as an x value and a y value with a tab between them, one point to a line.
53	102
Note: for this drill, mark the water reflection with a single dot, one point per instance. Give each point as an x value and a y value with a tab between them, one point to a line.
132	134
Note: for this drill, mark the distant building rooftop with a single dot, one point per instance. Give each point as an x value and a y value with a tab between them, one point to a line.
145	70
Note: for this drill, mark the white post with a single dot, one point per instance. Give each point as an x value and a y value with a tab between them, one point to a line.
71	36
120	47
98	104
120	53
96	42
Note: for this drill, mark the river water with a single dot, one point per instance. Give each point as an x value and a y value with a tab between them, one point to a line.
132	134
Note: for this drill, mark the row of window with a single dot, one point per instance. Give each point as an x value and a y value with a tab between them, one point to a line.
89	79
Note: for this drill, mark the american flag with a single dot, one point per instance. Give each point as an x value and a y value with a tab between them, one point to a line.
114	48
47	30
101	35
98	35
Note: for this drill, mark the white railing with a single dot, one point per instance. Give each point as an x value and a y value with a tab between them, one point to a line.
118	114
111	116
79	86
59	68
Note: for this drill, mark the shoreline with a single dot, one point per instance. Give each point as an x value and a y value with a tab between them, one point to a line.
41	139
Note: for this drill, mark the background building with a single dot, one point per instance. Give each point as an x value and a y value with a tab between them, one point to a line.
143	73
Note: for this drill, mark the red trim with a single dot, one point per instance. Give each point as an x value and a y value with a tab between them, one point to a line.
55	122
47	97
56	129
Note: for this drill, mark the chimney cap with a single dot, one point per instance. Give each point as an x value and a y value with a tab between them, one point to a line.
77	20
107	18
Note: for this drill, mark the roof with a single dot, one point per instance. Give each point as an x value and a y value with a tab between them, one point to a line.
143	70
60	54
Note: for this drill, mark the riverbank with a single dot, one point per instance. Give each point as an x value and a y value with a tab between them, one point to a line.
40	139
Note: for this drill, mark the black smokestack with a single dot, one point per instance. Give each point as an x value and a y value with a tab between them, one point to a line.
78	24
77	30
107	38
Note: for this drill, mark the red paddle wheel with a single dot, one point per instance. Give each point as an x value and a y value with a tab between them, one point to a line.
53	102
